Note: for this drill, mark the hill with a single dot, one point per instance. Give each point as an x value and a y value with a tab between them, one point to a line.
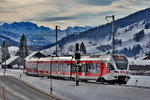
132	35
32	30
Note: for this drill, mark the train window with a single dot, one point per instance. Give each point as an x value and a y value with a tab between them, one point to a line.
53	66
64	67
30	65
59	67
88	68
39	66
80	69
68	67
47	66
73	67
97	68
92	68
110	67
83	67
121	62
44	66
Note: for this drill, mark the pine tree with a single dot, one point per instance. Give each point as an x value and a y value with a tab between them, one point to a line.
23	51
4	51
147	54
82	48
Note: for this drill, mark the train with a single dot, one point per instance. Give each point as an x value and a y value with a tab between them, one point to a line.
110	68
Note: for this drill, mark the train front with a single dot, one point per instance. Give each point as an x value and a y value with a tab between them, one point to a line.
122	69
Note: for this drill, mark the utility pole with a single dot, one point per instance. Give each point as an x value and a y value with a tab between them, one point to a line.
77	57
5	60
50	35
23	56
113	31
56	38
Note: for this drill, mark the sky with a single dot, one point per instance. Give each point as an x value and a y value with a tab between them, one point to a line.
66	13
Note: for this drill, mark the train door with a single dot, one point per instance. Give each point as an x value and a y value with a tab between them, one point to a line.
111	68
83	69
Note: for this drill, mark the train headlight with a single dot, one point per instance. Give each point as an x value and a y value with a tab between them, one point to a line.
128	77
127	72
115	76
116	71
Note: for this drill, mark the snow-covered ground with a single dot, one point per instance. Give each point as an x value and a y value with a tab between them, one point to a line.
143	81
13	50
88	91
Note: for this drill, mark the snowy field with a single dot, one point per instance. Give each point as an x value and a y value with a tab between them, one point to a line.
88	91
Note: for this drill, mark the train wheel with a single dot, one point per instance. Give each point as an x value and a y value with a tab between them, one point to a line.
102	80
73	79
85	81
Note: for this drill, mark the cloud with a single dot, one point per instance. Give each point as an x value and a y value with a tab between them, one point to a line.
57	18
97	2
121	6
106	13
67	12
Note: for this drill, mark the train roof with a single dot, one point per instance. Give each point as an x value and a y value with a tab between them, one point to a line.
64	58
100	56
85	57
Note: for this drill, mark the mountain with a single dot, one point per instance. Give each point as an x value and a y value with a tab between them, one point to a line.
132	35
76	30
34	33
11	38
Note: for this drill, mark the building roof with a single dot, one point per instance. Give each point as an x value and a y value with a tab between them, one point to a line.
146	58
140	62
34	54
11	59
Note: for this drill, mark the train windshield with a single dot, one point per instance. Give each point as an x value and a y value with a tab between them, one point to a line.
121	62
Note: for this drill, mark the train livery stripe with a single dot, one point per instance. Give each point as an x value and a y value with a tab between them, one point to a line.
103	69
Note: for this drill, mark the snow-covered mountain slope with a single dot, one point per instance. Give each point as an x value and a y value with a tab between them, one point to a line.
134	38
11	41
131	37
32	32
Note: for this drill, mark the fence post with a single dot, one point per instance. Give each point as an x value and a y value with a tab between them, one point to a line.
3	93
136	82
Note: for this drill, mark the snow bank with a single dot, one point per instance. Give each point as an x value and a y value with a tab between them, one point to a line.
87	91
13	50
143	81
140	62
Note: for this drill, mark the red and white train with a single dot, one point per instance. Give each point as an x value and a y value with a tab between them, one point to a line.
111	68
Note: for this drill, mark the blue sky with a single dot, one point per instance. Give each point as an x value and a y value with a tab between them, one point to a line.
67	12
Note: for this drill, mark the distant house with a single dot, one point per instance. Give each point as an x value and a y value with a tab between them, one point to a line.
35	55
0	55
146	58
140	67
14	60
